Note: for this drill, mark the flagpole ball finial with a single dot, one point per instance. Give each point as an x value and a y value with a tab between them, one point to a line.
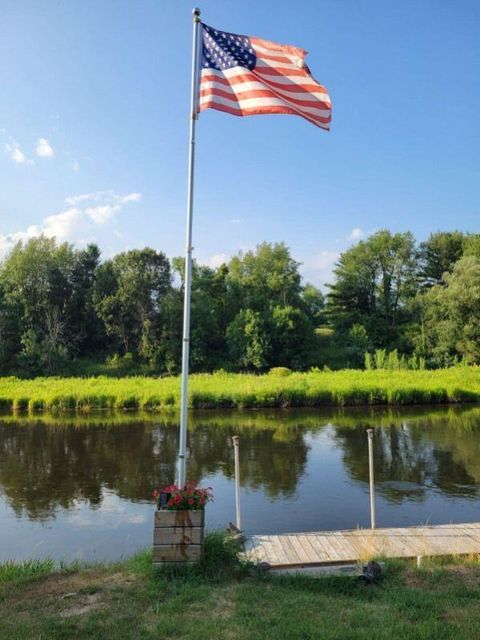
196	13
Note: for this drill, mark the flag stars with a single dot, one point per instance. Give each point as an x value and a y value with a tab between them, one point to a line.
223	50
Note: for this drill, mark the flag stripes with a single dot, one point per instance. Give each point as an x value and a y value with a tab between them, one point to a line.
250	76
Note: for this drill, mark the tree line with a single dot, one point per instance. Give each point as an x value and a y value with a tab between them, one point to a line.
64	310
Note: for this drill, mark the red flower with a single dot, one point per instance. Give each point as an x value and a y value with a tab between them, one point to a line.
190	496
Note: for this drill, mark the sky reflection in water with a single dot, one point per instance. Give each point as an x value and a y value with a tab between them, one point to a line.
80	488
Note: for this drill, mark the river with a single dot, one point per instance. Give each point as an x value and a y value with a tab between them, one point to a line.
80	487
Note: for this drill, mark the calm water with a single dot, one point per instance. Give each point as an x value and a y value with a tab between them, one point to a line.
80	488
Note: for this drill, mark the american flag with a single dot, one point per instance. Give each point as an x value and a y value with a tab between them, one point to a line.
248	76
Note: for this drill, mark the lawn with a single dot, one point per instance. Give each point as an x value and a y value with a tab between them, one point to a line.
222	599
348	387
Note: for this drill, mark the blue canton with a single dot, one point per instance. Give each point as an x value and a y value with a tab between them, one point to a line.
222	50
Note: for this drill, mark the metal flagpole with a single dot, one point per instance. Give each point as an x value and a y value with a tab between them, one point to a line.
371	477
188	253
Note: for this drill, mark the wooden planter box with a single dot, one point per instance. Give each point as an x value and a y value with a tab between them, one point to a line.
178	536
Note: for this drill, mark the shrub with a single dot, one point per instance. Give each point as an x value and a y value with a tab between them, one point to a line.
280	372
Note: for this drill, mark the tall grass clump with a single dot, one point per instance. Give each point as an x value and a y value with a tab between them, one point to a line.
29	569
349	387
393	361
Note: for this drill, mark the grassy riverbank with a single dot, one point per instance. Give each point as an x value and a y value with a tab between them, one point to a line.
224	390
222	599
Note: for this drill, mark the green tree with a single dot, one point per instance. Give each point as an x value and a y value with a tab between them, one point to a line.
266	277
292	338
45	313
438	256
314	304
451	315
249	342
375	284
472	245
128	297
211	313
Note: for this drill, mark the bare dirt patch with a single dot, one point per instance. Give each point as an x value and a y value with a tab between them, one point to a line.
82	590
87	604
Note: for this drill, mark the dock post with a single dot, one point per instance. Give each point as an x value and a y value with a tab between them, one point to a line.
371	477
237	482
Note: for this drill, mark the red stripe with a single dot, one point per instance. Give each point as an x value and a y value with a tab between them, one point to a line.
285	88
262	93
219	92
268	83
321	122
273	46
249	77
275	58
244	77
272	71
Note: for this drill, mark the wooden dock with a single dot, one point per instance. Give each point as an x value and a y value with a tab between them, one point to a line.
326	548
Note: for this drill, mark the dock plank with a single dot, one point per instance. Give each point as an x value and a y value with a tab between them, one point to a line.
336	547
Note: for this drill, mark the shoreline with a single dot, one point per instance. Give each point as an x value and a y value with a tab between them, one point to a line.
220	390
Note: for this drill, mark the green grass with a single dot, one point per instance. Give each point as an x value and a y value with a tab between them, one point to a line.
228	390
225	599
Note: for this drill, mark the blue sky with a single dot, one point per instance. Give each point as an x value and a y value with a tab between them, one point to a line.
94	127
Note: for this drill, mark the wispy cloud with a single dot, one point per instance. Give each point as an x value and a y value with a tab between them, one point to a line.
356	234
108	197
44	149
14	151
79	223
322	266
218	259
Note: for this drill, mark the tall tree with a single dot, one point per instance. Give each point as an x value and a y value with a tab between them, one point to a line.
452	314
472	245
266	277
211	313
438	255
128	296
314	304
271	325
375	283
45	311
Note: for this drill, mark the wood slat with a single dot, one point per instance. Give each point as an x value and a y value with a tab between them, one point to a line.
322	549
299	550
310	549
340	550
330	547
179	518
345	542
178	535
177	552
281	555
289	550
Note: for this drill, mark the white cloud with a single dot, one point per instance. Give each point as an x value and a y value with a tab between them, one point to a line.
326	259
44	149
80	223
356	234
75	165
132	197
108	196
322	266
14	151
102	214
218	259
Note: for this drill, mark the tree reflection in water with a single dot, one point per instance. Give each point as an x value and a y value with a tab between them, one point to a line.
409	457
43	467
56	462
